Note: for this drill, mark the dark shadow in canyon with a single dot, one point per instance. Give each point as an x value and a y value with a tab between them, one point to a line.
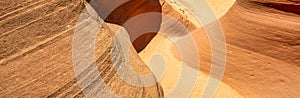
127	10
286	7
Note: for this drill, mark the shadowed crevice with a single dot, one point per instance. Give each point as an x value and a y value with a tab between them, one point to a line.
286	7
128	10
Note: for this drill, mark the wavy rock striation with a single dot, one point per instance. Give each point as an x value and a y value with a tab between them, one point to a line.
262	38
262	48
36	52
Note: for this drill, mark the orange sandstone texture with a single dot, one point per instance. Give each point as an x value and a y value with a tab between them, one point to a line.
36	52
262	40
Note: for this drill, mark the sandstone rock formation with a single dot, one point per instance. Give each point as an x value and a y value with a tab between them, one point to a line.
262	48
36	38
36	52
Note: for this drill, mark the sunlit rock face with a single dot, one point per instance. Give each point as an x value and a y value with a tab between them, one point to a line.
262	39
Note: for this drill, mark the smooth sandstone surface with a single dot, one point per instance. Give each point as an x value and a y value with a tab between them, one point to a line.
262	50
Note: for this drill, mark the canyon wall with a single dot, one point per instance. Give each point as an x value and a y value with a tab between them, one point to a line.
262	38
36	52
